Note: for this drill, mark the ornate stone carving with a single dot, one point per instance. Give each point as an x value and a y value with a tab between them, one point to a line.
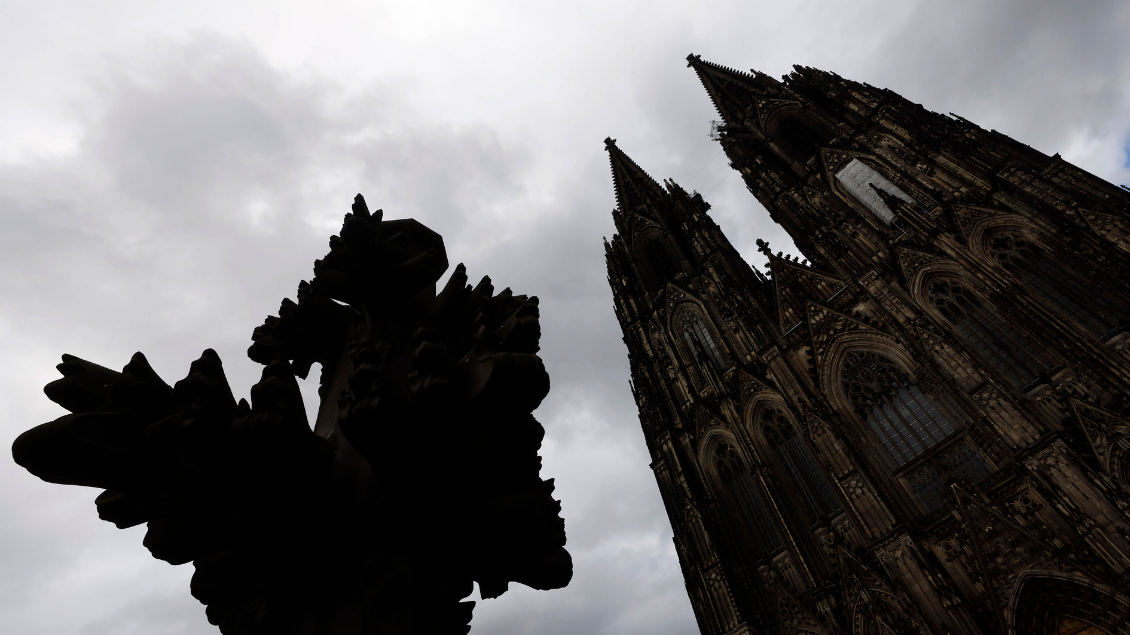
793	617
967	217
914	399
1106	431
912	260
420	478
854	486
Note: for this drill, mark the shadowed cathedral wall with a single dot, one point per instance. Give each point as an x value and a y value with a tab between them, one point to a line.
922	431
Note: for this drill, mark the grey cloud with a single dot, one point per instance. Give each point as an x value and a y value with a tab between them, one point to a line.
1051	74
206	183
207	179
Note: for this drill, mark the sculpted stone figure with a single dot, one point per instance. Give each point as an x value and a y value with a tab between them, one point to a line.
419	477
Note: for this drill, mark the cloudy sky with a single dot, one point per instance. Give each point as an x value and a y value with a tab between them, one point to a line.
169	172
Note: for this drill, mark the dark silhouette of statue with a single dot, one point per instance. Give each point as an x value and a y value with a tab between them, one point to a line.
420	476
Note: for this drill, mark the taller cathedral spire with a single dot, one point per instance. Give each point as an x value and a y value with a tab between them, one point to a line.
924	430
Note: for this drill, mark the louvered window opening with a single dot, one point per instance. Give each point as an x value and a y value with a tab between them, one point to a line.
905	420
814	489
1080	301
799	136
745	495
858	178
700	342
659	259
989	334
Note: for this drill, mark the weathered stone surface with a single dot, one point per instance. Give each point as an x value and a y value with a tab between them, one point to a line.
922	427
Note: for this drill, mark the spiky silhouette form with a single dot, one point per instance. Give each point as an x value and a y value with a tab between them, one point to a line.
420	477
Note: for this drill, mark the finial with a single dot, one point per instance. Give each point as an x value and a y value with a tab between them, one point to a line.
763	247
692	58
609	143
359	207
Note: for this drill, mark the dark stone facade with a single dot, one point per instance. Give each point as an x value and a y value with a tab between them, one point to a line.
923	427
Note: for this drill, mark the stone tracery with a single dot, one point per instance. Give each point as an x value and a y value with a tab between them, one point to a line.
960	335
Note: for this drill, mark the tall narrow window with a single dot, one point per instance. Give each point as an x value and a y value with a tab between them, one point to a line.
700	342
800	466
660	262
858	178
990	335
745	498
1080	301
904	419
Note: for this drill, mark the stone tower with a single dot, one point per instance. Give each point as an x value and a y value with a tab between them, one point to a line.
925	429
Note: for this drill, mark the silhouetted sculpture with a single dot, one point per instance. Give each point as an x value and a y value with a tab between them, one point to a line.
420	476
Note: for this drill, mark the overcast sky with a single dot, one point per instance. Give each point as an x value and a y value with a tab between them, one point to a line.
168	175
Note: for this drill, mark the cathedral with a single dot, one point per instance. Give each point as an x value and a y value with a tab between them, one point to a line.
921	426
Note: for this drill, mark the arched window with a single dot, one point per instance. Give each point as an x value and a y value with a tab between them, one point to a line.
792	453
700	342
862	180
743	497
990	335
662	266
908	425
802	139
903	418
1080	301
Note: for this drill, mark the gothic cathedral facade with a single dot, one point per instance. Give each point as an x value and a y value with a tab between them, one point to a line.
924	427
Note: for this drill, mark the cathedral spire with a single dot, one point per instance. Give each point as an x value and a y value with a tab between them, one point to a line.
633	186
919	432
732	91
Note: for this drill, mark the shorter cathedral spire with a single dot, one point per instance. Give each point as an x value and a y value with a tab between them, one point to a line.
633	186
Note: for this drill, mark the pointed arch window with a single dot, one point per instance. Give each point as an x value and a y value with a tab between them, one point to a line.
908	425
905	420
744	497
659	259
986	331
800	137
700	342
862	181
801	468
1080	301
